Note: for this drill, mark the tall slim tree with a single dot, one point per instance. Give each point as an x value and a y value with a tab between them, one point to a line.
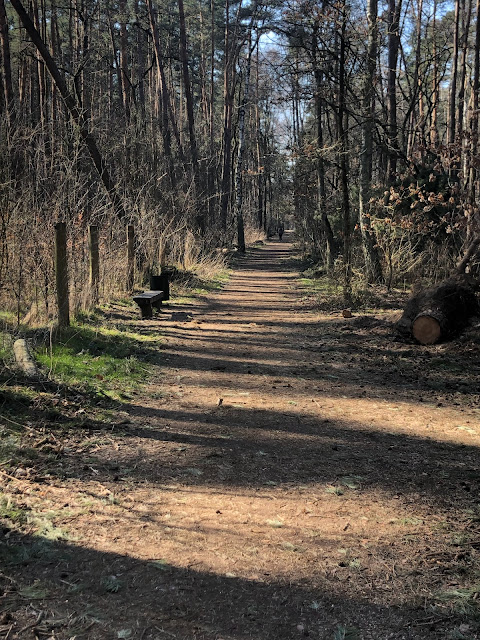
6	63
373	267
393	26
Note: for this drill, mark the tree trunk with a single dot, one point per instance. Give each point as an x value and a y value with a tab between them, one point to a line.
241	146
61	274
130	257
6	63
94	262
373	267
228	96
469	254
435	91
320	164
164	96
453	84
343	161
394	11
124	77
212	167
190	115
232	51
472	178
258	147
463	70
116	62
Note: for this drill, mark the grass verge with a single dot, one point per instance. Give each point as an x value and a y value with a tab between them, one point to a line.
326	291
108	360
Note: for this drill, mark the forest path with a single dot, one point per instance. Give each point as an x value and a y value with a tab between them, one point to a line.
286	474
291	473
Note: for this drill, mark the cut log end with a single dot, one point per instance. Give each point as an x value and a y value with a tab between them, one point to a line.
426	329
442	311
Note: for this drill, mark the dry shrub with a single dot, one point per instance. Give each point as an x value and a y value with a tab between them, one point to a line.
209	267
437	262
176	245
191	252
190	257
253	235
399	248
408	257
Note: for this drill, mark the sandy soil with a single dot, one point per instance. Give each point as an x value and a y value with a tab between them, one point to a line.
287	473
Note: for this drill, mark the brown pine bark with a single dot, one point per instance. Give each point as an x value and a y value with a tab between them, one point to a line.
116	62
434	117
167	116
373	267
343	159
61	274
228	96
242	143
94	255
124	75
394	12
40	71
452	122
473	173
463	70
188	91
322	214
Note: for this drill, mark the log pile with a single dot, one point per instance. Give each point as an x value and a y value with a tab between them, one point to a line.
442	311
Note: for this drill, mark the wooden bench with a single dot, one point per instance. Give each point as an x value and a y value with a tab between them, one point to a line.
147	300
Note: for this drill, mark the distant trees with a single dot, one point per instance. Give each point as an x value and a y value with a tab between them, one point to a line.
130	111
209	117
389	94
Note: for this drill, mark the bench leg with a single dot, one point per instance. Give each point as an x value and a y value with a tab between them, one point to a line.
146	310
157	305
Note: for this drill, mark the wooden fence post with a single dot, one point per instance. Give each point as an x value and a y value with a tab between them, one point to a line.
61	274
94	262
130	256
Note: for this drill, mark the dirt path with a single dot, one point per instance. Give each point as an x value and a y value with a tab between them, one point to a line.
288	474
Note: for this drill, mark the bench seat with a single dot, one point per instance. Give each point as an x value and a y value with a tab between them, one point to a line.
147	300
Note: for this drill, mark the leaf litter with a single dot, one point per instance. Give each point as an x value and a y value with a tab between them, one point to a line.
353	516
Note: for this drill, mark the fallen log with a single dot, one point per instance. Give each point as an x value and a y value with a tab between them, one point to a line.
442	311
24	358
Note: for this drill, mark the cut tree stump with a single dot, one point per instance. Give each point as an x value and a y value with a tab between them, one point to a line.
427	328
440	312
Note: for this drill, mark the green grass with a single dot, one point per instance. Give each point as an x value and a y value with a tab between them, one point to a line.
110	360
42	525
189	283
462	601
322	285
213	284
24	554
346	633
13	453
5	347
11	512
15	412
328	290
8	319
